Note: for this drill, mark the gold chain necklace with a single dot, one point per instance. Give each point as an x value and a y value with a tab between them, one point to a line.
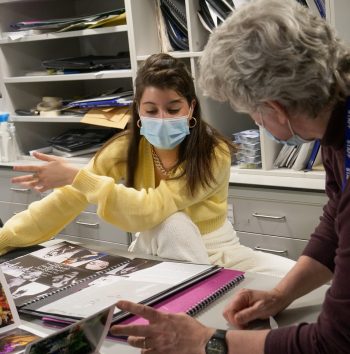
157	161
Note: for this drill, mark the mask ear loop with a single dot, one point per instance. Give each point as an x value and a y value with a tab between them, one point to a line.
290	128
261	120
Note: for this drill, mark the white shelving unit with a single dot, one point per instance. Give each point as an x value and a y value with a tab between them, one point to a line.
22	53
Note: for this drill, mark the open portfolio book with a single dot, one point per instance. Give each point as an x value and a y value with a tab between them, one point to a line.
85	336
68	282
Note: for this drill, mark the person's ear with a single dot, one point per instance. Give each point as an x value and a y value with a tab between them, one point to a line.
276	110
193	103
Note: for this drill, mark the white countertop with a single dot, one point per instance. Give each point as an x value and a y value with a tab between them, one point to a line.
279	178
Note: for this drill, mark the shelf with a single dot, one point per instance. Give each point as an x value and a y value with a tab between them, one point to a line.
16	37
312	180
26	160
176	55
39	119
105	74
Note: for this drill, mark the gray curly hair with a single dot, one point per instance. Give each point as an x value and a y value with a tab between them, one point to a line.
275	50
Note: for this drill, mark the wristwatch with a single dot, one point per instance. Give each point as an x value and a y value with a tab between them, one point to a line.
217	343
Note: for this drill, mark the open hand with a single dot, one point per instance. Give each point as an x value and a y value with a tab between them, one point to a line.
56	172
166	333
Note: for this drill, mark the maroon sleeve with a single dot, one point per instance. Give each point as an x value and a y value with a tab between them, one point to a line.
324	240
331	333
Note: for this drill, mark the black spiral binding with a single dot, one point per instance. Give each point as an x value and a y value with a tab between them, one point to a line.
199	306
177	12
65	288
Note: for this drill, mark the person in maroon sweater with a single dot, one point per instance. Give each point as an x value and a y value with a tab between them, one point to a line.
286	68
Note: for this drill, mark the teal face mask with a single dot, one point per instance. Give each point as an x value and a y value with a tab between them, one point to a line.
164	133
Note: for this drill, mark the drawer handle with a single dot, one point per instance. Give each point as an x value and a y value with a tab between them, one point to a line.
20	189
269	216
258	248
87	224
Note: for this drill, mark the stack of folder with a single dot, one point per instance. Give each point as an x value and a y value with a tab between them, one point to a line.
214	12
172	23
108	18
89	63
113	111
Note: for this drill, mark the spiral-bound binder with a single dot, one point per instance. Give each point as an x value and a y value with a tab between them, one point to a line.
196	297
72	282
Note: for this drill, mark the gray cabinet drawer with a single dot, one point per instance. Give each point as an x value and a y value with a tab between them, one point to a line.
282	246
7	210
14	193
292	214
90	226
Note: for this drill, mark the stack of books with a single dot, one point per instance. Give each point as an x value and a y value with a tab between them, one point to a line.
304	157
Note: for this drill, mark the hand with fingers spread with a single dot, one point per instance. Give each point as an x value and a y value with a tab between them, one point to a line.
248	305
56	172
166	333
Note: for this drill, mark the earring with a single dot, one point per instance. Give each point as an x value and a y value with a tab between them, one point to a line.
138	123
194	123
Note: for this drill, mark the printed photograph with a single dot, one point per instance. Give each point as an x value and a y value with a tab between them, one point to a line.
133	266
6	317
102	263
15	341
80	338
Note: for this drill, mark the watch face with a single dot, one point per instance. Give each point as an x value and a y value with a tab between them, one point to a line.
216	346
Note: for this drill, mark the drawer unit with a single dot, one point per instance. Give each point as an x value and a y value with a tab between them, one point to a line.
281	246
7	210
90	226
14	193
287	213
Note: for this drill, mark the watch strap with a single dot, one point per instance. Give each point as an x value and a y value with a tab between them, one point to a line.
217	341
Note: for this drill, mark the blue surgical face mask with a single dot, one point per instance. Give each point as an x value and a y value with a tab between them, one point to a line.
164	133
294	140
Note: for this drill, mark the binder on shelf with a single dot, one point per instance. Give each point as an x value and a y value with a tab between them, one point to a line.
219	8
321	7
174	16
303	156
71	282
315	7
313	154
176	10
318	164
